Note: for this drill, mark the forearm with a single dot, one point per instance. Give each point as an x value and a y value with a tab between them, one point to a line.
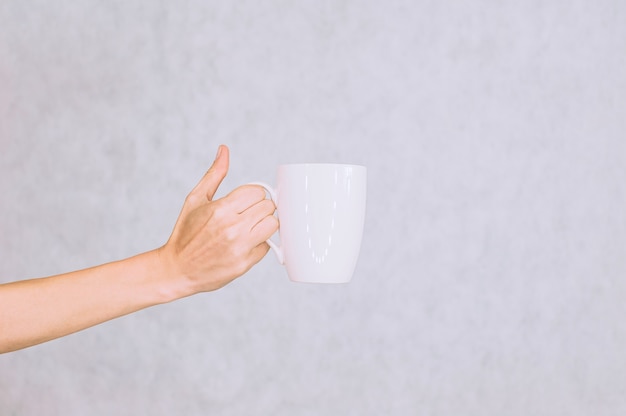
38	310
213	242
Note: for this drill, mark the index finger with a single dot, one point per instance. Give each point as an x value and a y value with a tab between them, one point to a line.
244	197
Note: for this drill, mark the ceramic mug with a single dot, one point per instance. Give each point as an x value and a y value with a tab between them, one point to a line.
321	210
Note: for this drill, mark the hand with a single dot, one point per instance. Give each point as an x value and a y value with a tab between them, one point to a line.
213	242
216	241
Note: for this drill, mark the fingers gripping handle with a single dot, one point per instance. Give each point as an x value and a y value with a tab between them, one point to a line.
280	256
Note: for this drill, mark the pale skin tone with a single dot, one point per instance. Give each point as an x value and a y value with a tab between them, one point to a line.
213	242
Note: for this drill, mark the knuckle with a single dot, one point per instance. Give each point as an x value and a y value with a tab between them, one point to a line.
268	205
253	192
259	191
193	197
269	223
220	210
231	235
241	267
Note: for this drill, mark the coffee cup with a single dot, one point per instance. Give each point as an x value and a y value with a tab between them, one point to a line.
321	211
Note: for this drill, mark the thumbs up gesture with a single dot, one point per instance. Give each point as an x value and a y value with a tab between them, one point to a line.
216	240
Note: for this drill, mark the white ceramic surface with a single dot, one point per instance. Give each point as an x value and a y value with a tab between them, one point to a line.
321	208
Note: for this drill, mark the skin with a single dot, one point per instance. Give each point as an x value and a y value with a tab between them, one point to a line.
213	243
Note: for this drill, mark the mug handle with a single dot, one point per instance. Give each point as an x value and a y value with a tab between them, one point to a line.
278	250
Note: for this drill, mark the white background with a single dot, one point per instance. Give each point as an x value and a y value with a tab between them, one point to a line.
492	276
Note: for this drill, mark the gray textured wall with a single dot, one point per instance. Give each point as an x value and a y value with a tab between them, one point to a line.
492	276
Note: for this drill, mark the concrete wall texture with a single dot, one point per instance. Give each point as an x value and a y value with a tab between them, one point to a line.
492	275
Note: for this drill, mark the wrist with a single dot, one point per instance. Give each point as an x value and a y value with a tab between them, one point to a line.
171	283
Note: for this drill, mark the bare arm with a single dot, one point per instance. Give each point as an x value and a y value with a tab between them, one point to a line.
213	242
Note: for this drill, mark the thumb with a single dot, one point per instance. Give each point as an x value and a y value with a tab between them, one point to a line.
206	188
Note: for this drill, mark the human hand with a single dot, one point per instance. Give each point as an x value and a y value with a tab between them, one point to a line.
216	241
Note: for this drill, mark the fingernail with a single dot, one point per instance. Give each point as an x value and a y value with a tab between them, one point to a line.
219	152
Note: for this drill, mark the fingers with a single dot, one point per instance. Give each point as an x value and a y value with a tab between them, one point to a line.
206	188
258	252
257	212
264	229
259	216
244	197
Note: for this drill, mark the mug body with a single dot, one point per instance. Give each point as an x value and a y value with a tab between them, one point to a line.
321	209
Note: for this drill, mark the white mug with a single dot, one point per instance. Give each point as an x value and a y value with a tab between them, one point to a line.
321	210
